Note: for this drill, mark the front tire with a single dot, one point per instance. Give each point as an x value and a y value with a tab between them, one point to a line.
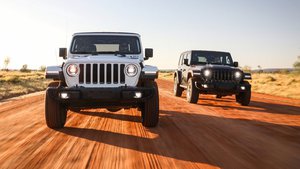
55	113
192	93
150	109
243	98
177	89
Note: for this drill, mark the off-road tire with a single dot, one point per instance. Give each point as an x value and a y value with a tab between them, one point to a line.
150	109
55	113
243	98
192	94
177	89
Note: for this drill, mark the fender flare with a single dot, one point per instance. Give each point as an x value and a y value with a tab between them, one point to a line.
178	74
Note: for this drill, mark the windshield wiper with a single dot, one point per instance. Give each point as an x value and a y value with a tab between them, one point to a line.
120	53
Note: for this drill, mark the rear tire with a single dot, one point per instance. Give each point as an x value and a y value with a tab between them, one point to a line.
192	93
55	113
150	109
177	89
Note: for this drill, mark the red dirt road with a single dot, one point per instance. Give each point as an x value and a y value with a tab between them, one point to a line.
215	133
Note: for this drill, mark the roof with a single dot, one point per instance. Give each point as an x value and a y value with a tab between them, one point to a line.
107	33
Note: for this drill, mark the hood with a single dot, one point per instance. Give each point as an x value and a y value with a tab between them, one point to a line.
211	66
104	58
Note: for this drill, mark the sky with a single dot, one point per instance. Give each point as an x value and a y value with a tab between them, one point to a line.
256	32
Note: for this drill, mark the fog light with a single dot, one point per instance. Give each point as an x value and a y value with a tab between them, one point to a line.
137	95
64	95
205	86
243	88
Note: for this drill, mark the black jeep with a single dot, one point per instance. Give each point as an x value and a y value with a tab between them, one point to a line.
211	72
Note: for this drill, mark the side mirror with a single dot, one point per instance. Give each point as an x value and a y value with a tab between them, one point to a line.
148	53
63	53
236	64
186	62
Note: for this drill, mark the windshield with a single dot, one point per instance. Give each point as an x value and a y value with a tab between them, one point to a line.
206	57
96	44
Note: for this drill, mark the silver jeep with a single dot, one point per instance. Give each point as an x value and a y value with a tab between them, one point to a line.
102	70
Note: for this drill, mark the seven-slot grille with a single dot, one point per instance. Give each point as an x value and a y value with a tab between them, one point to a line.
101	73
222	75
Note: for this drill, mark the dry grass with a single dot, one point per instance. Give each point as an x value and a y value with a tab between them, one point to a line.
15	83
279	84
166	75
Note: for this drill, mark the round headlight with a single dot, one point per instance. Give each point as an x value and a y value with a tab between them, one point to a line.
72	70
131	70
237	74
207	73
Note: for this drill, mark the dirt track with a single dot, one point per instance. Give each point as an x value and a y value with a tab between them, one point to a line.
211	134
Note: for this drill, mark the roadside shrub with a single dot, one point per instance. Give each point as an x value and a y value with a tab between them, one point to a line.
291	81
13	79
270	79
284	71
25	68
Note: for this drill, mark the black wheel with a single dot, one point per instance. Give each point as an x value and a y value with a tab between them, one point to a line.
218	96
177	89
192	93
243	97
150	109
55	113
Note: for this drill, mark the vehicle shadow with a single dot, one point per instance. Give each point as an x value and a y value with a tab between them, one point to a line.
254	106
123	117
198	138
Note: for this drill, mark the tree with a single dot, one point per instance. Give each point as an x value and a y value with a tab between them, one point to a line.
24	68
259	69
6	63
43	68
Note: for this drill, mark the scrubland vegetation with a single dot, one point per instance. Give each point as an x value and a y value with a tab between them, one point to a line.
279	84
15	83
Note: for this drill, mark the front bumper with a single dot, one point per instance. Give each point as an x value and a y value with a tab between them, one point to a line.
101	97
221	88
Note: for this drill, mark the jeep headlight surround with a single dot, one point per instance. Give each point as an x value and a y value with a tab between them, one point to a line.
131	70
72	70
